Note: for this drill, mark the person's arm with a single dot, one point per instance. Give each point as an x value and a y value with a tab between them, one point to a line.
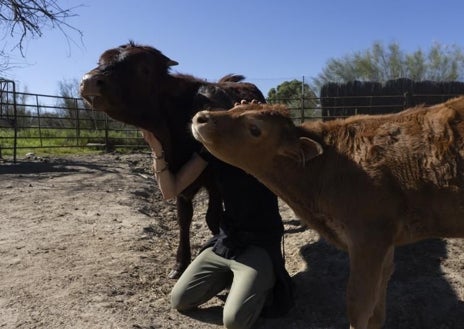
172	185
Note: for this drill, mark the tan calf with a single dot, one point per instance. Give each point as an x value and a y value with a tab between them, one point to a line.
366	183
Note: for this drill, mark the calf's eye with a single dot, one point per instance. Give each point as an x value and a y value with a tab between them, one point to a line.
255	131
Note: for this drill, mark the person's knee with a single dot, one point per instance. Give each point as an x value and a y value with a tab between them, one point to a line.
232	322
234	319
178	301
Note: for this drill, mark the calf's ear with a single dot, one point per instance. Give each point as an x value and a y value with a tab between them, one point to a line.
309	149
302	151
170	62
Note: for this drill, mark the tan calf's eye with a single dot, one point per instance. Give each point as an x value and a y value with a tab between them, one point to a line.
255	131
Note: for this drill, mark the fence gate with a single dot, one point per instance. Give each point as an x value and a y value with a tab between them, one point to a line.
8	113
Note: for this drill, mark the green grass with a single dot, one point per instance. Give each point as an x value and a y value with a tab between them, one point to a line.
64	141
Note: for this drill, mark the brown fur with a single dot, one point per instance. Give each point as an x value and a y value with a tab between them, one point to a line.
366	183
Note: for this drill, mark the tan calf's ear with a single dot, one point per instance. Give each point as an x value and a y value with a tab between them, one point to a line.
309	149
302	150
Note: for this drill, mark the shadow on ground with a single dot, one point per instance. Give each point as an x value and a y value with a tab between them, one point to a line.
419	296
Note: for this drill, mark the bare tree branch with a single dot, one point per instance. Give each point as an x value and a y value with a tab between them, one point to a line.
26	19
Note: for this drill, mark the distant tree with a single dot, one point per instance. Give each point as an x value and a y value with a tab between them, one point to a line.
381	63
23	19
8	101
296	95
69	88
72	107
291	92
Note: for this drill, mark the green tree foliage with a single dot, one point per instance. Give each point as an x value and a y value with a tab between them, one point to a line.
292	93
381	63
296	95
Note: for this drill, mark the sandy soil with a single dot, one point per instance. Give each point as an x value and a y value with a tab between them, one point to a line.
87	242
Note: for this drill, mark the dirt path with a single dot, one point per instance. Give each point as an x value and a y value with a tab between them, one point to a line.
87	242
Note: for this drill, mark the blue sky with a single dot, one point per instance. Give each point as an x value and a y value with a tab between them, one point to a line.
268	41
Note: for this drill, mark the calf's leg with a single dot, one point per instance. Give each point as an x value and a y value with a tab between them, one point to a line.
367	256
378	318
184	219
184	204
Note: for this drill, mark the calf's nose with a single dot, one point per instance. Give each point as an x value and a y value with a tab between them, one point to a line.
202	117
91	83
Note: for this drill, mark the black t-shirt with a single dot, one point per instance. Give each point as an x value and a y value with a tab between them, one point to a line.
251	217
251	210
247	202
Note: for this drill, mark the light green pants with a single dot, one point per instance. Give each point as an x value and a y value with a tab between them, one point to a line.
250	277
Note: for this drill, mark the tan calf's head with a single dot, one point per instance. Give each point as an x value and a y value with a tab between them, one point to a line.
251	136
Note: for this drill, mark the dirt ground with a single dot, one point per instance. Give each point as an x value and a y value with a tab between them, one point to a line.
87	242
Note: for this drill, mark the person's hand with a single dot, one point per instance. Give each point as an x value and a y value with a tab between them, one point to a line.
154	143
245	102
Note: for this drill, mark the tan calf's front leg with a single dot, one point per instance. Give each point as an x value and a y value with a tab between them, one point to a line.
365	297
378	318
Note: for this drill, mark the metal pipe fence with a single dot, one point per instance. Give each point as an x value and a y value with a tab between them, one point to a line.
33	121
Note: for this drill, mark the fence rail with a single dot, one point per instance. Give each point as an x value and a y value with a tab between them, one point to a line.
34	121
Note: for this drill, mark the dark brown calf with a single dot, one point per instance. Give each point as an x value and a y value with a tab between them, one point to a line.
132	84
366	183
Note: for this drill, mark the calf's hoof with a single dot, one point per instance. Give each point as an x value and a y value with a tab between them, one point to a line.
177	271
